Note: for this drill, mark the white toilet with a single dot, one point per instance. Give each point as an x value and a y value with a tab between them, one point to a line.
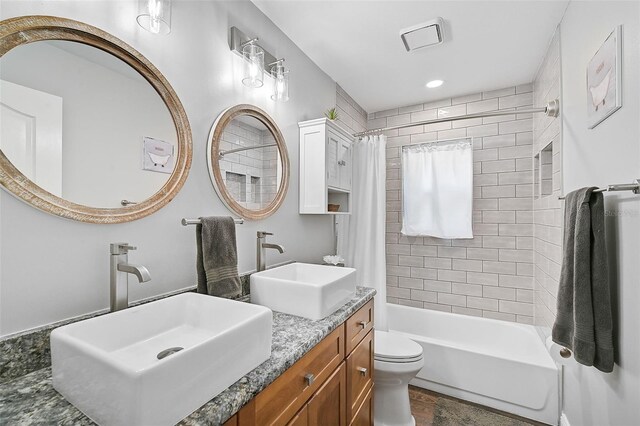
397	360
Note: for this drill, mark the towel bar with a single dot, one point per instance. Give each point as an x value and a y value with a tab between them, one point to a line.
634	187
186	222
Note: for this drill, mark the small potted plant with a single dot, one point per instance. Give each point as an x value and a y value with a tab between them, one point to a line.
332	114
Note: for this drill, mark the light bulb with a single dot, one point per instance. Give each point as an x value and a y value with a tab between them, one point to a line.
253	71
155	16
281	83
254	65
155	11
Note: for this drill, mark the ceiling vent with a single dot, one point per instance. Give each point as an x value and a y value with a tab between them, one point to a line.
423	35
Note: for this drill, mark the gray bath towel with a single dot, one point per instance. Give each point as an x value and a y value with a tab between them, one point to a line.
584	322
217	258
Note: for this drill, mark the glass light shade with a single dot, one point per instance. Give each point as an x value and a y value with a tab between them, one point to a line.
280	83
253	65
155	16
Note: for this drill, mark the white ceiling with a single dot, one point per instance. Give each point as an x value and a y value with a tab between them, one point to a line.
488	45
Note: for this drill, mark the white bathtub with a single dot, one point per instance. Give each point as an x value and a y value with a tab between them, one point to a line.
494	363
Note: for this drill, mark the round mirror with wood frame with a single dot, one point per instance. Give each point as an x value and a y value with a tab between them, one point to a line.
234	137
25	30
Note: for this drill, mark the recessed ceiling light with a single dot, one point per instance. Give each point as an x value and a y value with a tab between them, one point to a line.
434	83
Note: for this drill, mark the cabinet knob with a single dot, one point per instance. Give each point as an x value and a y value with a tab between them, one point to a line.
342	163
362	370
309	378
363	324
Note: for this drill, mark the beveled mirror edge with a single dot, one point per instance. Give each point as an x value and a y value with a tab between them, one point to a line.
213	148
28	29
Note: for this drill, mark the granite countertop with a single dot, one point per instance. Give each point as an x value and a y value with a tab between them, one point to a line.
31	399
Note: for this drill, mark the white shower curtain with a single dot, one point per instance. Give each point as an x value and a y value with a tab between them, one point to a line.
365	249
437	189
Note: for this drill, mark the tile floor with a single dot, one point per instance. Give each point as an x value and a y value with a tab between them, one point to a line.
434	409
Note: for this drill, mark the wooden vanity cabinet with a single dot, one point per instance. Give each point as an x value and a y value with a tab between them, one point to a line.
360	374
364	414
358	325
233	421
331	385
328	405
302	418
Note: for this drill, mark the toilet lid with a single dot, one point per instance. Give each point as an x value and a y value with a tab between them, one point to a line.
392	347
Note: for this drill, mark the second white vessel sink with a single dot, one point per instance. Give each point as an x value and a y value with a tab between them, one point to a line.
155	364
303	289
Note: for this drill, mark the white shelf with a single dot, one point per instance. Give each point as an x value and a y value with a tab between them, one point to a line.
333	189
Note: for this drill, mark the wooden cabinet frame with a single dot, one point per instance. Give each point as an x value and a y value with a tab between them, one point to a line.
329	377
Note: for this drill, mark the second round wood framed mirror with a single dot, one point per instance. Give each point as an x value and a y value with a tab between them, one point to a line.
248	161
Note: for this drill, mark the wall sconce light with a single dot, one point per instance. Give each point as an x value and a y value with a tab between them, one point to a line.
254	63
280	81
155	16
254	59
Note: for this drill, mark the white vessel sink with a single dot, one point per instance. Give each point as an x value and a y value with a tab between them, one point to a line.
108	366
305	290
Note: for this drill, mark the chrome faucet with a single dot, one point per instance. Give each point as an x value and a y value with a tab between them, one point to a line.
261	253
120	270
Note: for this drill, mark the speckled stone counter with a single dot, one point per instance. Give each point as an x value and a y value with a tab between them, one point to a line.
31	399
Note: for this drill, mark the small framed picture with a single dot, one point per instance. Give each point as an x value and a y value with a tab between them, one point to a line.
604	80
157	155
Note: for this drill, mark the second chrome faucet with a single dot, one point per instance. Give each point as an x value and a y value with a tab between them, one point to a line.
261	250
120	270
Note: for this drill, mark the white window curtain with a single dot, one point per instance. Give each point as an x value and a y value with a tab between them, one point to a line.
437	189
365	245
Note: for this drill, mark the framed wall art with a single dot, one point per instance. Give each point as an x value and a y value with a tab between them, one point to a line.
604	80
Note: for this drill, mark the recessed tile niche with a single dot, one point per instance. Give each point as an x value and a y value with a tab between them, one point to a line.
546	170
536	176
543	172
237	185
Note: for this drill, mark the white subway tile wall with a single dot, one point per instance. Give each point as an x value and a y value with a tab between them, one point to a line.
251	175
548	210
490	275
351	116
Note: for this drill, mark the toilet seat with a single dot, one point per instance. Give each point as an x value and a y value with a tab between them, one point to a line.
393	348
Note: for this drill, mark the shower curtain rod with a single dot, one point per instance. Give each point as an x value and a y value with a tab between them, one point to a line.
231	151
552	109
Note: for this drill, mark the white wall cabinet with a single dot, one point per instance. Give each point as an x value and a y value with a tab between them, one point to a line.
325	167
338	161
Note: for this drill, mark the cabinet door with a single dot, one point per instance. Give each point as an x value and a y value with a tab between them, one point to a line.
283	398
344	165
359	374
233	421
328	405
301	419
364	416
333	169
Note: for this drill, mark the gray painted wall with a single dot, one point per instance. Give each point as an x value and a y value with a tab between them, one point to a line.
52	269
608	154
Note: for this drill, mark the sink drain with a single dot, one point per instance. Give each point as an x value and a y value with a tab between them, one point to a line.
170	351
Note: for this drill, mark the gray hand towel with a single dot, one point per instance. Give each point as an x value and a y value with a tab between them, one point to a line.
584	321
217	258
